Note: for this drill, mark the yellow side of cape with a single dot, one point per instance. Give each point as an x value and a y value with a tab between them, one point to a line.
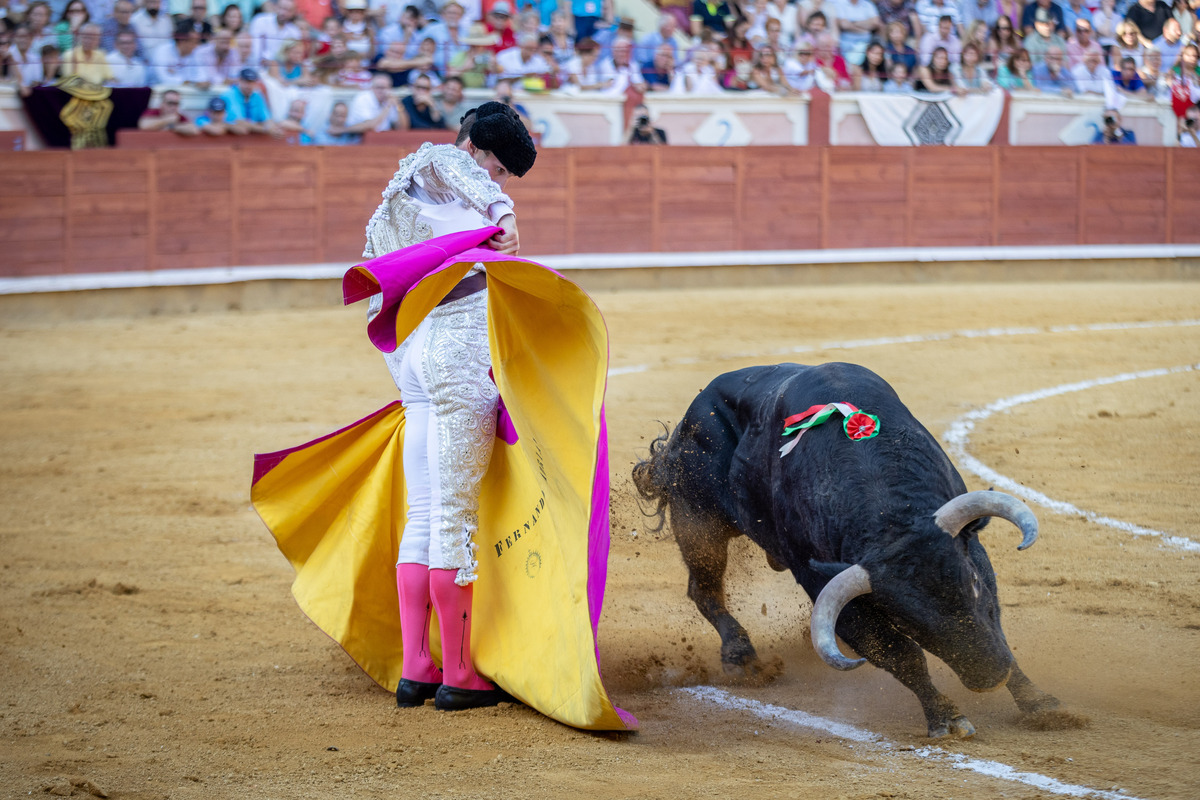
336	506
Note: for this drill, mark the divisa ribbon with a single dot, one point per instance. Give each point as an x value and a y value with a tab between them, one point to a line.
857	424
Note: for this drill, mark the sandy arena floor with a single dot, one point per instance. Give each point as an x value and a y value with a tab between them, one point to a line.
149	646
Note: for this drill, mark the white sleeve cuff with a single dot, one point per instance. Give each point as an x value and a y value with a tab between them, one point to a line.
497	211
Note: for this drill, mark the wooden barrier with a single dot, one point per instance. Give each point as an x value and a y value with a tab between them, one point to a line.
104	210
133	139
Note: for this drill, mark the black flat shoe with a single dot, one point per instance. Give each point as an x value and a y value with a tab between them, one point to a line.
410	694
451	698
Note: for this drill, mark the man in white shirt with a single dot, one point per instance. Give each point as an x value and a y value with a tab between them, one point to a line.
27	58
373	109
524	59
270	31
128	70
154	27
857	21
941	36
801	69
983	10
175	62
930	11
220	61
628	71
1090	75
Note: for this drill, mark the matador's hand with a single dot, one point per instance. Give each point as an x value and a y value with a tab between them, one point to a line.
507	241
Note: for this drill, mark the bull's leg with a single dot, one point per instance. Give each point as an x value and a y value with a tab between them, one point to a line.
1029	697
874	638
704	543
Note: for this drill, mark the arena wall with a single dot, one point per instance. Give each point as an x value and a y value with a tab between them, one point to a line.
65	213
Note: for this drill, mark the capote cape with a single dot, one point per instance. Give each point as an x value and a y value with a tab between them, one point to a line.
336	505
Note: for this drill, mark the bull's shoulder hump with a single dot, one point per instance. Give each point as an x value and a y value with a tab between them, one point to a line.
756	379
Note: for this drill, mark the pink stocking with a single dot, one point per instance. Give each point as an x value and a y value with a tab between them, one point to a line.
412	584
453	603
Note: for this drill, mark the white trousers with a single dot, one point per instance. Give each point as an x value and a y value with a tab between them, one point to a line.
450	427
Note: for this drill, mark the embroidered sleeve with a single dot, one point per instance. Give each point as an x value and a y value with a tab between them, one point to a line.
452	170
443	168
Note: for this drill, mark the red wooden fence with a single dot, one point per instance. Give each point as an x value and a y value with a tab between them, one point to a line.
111	210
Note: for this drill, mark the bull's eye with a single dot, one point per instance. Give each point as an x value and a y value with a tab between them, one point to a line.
976	586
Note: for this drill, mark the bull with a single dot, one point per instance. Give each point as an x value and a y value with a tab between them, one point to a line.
881	531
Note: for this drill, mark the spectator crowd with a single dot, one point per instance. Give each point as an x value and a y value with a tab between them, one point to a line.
410	62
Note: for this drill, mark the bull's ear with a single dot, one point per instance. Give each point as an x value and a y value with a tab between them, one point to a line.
829	568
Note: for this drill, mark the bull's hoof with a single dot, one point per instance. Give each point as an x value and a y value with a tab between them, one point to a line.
1034	701
960	727
738	654
754	673
738	671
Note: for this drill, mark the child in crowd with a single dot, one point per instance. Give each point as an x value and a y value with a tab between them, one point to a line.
897	82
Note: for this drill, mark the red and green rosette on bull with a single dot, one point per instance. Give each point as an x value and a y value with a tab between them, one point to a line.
857	424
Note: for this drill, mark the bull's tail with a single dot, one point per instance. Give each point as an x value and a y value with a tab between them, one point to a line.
652	479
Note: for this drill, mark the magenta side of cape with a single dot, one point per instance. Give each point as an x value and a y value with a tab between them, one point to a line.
398	272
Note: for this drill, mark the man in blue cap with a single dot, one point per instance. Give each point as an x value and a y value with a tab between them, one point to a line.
246	108
213	122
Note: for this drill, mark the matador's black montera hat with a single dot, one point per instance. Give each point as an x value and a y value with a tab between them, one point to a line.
497	128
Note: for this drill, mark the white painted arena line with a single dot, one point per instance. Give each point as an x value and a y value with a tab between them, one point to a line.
958	435
874	741
959	432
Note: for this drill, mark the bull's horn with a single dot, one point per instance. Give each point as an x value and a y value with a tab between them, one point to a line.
966	508
845	586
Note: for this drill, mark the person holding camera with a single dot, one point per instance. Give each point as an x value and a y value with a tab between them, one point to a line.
477	63
640	131
1113	133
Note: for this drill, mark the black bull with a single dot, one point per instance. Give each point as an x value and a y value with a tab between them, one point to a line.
886	520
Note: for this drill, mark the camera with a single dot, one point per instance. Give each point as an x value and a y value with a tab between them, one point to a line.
1189	123
643	121
1109	119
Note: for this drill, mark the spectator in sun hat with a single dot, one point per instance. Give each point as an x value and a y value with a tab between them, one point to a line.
360	36
477	63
